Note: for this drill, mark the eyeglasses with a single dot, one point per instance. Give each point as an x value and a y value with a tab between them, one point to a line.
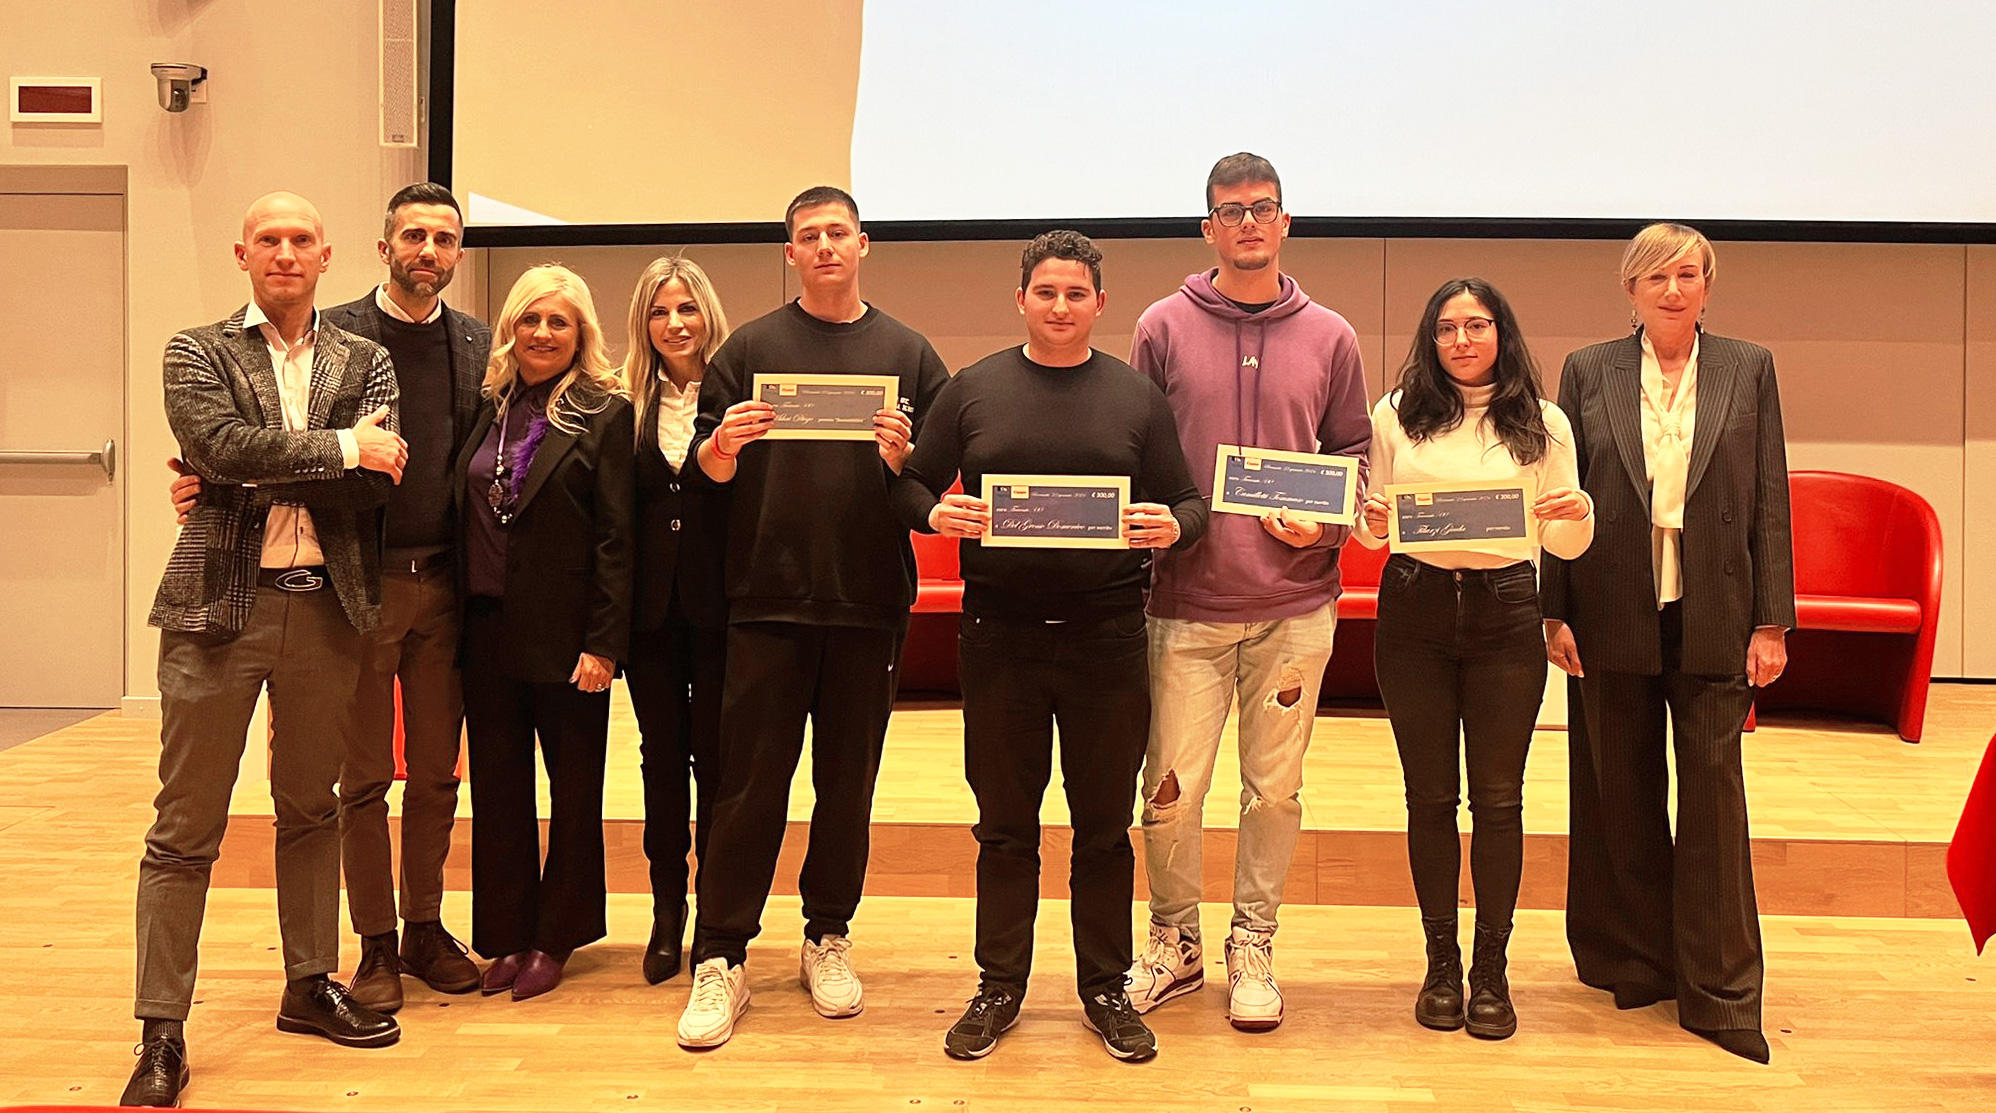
1231	215
1476	328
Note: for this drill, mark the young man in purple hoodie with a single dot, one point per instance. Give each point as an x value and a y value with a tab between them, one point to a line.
1244	358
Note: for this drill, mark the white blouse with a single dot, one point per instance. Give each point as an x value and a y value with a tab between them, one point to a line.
676	410
1472	451
1667	426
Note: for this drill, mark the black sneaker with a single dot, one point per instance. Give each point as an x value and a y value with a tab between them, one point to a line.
993	1011
1123	1032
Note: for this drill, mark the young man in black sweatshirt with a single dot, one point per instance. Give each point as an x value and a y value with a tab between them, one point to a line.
820	578
1053	634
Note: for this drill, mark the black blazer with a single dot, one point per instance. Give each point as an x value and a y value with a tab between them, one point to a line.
568	548
682	540
1738	555
470	344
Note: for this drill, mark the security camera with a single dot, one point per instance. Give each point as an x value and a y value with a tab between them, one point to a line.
176	83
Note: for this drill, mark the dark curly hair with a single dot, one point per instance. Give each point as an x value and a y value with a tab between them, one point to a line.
1430	403
1061	244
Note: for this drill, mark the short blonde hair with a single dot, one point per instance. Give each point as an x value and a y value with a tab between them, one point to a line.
1655	246
590	382
642	363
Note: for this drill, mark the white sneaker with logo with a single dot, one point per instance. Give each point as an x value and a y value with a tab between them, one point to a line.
826	970
720	996
1172	965
1254	1001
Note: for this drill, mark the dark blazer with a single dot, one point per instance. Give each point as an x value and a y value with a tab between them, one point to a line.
682	540
1738	556
223	406
568	548
470	345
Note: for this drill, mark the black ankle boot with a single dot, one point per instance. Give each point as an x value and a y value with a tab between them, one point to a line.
1490	1014
1440	1004
662	953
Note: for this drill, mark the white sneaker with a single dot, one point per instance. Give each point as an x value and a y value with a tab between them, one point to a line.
720	997
1254	1001
1172	965
827	973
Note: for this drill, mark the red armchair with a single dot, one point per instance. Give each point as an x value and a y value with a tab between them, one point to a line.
1867	600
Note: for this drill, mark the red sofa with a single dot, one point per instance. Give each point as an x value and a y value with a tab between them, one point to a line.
1867	600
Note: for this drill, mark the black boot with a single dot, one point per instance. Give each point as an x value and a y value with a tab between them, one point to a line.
1440	1004
662	952
1490	1014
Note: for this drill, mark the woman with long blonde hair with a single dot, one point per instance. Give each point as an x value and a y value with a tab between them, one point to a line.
544	514
680	617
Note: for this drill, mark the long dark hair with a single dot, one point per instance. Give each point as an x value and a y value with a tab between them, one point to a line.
1431	404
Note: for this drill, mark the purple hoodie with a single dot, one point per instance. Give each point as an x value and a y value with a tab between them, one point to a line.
1288	377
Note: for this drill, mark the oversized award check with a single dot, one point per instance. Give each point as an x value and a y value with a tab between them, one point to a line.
1056	511
1429	516
825	407
1310	486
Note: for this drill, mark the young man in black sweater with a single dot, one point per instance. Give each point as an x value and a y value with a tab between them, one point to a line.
820	578
1053	634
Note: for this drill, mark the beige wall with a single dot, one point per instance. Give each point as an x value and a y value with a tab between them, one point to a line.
292	105
1879	346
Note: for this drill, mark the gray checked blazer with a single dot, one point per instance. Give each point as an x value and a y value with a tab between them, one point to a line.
1739	560
223	406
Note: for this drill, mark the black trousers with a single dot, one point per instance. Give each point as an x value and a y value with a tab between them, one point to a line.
518	901
779	674
674	676
1643	911
1019	680
1461	655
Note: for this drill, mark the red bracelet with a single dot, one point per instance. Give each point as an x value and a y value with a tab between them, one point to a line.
717	449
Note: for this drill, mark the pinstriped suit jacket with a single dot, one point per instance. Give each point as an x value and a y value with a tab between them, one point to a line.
1738	556
223	405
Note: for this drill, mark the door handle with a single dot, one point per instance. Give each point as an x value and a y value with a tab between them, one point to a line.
106	458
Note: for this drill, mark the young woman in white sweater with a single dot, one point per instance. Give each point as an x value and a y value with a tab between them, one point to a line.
1459	650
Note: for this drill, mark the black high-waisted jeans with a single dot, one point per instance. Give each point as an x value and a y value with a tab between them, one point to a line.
1461	655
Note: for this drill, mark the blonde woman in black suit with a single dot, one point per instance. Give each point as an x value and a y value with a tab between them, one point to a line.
544	508
1679	609
680	622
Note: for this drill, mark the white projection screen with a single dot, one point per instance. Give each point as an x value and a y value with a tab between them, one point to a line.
714	112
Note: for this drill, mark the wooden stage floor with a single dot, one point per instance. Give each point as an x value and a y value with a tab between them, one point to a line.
1847	819
1863	1013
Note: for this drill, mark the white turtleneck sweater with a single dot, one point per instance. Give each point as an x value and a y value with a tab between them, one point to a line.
1469	453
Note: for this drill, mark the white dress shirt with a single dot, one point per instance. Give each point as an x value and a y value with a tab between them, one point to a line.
676	410
289	539
1667	425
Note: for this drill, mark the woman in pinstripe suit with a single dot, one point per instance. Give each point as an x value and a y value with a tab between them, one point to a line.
1678	609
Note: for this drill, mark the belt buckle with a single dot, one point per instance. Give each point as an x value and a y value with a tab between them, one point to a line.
299	580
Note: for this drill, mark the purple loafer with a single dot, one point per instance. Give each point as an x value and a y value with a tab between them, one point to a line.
500	976
540	973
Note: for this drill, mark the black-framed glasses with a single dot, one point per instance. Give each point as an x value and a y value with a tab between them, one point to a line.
1230	214
1476	328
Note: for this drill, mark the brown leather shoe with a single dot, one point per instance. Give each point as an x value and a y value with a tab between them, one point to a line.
429	953
377	982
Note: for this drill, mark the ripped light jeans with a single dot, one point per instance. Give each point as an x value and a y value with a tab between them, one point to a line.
1197	671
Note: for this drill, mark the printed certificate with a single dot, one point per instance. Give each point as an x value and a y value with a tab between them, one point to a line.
1429	516
1056	511
825	407
1313	487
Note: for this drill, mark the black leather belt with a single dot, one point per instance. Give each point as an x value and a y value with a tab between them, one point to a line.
309	578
